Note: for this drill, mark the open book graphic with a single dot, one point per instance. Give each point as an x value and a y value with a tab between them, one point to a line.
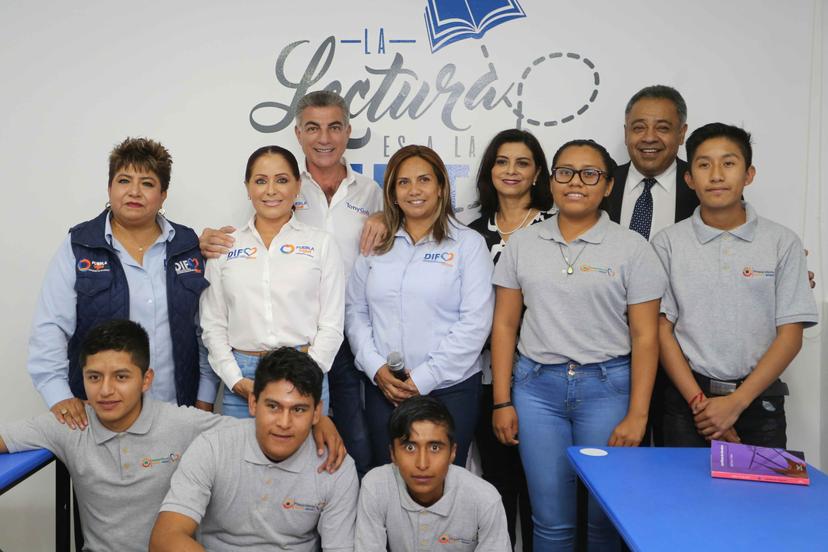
448	21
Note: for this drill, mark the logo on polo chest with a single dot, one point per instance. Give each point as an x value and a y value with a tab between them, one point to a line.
750	272
600	269
171	458
293	504
445	538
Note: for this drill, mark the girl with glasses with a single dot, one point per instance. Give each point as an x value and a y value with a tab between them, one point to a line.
588	346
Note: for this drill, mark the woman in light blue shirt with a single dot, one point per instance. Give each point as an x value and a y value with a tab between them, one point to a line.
426	295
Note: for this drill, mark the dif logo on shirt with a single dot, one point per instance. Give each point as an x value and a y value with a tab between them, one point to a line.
171	458
187	265
289	248
300	203
600	269
293	504
445	538
242	253
444	258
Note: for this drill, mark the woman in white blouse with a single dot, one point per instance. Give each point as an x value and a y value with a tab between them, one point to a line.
282	284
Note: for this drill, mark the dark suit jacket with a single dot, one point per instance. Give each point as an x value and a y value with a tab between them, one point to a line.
686	200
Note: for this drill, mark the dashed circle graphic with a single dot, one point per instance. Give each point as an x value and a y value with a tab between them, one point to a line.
555	56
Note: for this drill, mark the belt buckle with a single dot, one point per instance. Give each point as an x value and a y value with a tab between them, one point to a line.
721	387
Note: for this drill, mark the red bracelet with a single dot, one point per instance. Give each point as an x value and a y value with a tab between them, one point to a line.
698	397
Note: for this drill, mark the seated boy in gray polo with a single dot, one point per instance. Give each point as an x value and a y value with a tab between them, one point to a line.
738	300
255	486
122	463
422	502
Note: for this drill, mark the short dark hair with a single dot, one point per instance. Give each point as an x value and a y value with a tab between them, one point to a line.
271	150
540	196
288	364
738	136
143	154
660	92
420	408
118	335
609	163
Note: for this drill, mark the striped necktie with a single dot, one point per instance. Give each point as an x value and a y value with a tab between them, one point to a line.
642	217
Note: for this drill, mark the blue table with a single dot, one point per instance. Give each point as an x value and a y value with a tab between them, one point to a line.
665	499
16	467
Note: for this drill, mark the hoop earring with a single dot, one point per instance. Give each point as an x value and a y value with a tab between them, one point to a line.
108	205
162	212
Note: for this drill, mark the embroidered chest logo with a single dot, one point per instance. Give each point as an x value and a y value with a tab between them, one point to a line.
87	265
359	210
172	458
188	265
445	538
242	253
603	270
300	203
305	250
445	258
750	272
293	504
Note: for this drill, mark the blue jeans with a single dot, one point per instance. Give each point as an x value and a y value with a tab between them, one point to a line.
561	405
234	405
346	405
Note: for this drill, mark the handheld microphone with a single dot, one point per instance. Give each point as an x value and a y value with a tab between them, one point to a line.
397	365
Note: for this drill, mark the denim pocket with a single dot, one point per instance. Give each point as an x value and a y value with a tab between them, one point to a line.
522	370
618	379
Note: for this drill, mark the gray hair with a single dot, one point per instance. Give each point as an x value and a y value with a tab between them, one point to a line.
322	98
660	92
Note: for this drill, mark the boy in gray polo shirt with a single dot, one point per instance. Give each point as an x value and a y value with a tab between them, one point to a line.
733	316
255	486
122	463
422	502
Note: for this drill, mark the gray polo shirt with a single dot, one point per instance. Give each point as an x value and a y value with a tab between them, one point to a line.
580	316
244	501
120	478
730	289
468	517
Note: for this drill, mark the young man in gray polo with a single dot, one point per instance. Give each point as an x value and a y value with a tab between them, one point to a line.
255	486
422	502
739	298
122	463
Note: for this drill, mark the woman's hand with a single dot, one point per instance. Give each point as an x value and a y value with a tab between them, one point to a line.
395	391
629	432
243	388
505	425
70	412
215	243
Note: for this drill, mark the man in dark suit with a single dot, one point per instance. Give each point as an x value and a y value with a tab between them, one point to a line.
655	123
649	192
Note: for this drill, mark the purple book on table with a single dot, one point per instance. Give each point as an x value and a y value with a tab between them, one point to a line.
737	461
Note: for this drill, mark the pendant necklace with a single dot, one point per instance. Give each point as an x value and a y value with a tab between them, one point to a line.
569	270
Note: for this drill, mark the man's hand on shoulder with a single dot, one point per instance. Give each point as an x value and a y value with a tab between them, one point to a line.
214	243
373	233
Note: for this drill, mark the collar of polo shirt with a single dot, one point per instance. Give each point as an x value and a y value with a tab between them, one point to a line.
745	232
442	507
141	426
550	231
254	455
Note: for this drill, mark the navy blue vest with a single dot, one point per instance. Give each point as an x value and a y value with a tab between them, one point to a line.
103	294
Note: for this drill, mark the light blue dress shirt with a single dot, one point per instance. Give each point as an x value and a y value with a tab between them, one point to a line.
55	321
432	302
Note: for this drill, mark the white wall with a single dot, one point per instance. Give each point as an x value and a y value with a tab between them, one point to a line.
79	77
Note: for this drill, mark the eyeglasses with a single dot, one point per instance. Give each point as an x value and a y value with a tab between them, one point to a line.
564	175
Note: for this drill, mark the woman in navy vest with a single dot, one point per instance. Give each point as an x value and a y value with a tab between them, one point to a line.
128	262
